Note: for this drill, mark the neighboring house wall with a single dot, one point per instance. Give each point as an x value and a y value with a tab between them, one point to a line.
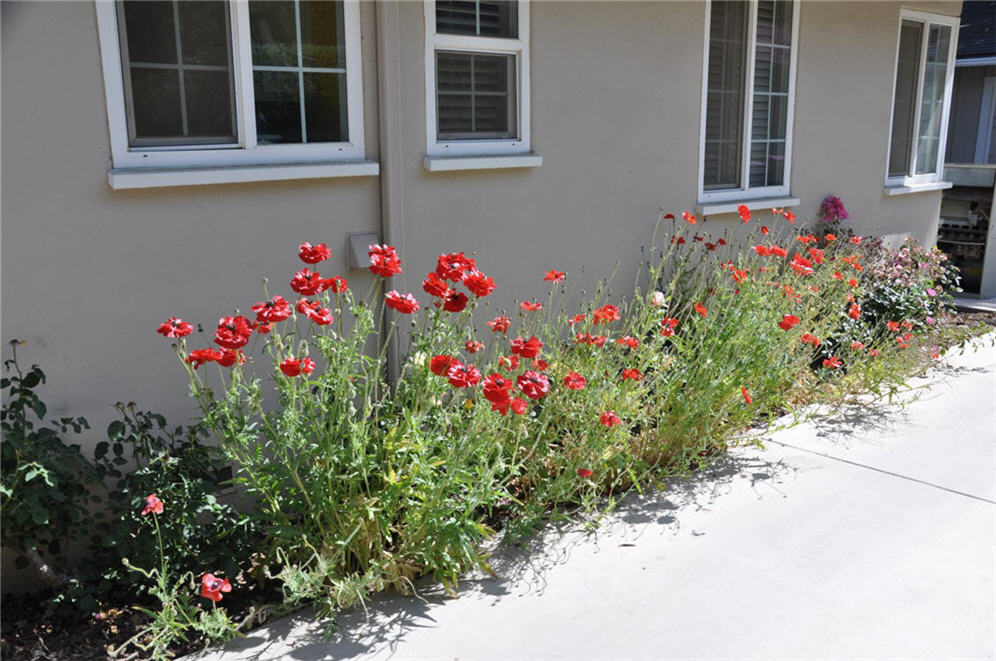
89	272
963	131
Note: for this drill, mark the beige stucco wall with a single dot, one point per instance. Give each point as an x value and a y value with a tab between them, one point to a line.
88	272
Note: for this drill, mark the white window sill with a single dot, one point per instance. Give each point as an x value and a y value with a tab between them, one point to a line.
716	208
497	162
156	178
916	188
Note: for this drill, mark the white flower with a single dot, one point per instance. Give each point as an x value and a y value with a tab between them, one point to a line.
657	300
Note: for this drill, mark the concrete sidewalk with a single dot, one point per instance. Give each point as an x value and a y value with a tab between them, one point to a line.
867	532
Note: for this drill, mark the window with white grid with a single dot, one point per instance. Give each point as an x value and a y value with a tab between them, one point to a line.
748	95
477	77
232	82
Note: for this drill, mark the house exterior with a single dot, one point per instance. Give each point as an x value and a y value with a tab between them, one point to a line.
160	158
966	231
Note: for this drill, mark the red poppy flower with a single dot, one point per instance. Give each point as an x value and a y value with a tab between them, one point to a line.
634	374
310	254
789	216
710	246
829	237
403	303
439	364
272	311
677	240
530	306
175	328
313	310
500	324
788	321
801	265
307	365
668	216
854	311
762	251
809	338
455	301
509	363
555	276
668	326
764	229
497	388
837	275
628	341
816	254
202	356
605	314
698	238
574	381
233	332
576	319
855	240
527	348
384	260
807	238
540	364
857	345
152	504
519	406
473	346
747	399
463	376
584	472
435	286
307	283
852	282
721	242
778	251
738	275
293	367
688	218
588	338
610	419
533	384
453	266
263	329
212	587
833	362
744	212
478	283
701	309
227	358
893	326
335	284
873	352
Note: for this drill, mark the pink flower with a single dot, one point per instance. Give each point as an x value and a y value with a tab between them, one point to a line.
152	504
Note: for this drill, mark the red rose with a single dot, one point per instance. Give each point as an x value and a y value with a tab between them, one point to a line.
310	254
384	260
453	266
500	324
175	328
478	283
456	301
439	364
405	304
233	332
272	311
435	286
533	384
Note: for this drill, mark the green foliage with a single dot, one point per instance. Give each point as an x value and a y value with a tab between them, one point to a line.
45	483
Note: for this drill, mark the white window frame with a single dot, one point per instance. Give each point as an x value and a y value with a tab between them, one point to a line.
245	151
927	19
746	192
984	140
519	48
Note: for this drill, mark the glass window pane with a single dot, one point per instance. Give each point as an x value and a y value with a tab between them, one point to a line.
204	33
156	105
932	101
483	18
209	104
725	94
150	32
322	43
278	107
904	105
324	98
273	32
475	96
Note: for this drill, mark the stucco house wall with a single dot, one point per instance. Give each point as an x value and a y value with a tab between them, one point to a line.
89	272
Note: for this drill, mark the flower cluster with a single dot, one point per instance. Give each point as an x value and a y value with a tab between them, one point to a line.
832	210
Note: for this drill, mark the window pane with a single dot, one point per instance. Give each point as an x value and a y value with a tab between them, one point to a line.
278	107
475	96
178	79
273	32
324	96
322	43
483	18
932	101
156	94
769	115
904	106
725	94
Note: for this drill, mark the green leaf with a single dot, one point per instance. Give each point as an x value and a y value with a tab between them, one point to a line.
101	449
31	380
116	430
39	408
